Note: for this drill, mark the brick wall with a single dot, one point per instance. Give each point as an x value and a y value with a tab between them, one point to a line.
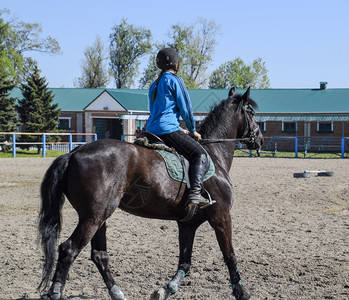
320	141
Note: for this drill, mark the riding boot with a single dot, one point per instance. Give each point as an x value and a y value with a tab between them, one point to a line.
198	168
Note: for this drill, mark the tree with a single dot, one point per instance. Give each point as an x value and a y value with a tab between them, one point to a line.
10	60
8	115
128	44
17	39
94	71
195	44
37	113
151	72
240	75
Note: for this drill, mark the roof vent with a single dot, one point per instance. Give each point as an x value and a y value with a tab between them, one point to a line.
323	85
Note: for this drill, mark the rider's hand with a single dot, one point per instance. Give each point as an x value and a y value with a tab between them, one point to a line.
197	135
185	131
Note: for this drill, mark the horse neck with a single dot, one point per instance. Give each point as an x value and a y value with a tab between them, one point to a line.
223	152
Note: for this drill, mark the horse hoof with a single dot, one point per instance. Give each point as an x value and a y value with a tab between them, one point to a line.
48	297
116	294
54	293
159	295
240	293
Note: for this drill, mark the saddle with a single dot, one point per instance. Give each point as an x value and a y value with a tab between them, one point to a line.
177	165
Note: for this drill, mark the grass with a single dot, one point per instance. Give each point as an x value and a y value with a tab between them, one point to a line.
238	153
27	153
284	154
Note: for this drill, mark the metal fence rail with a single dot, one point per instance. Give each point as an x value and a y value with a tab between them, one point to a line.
67	146
271	145
303	145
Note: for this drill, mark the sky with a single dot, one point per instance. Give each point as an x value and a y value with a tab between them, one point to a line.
302	42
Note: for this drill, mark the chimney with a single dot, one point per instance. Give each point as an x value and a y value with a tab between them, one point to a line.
323	85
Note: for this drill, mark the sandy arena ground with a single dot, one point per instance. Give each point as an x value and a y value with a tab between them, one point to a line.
291	236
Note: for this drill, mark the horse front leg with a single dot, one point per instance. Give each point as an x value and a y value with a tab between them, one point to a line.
186	240
100	257
222	227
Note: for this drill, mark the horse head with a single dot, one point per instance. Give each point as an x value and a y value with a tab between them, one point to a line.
248	131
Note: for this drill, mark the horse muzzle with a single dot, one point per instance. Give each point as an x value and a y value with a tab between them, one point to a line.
255	141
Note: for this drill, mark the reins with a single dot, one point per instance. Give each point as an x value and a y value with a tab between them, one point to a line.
210	141
250	132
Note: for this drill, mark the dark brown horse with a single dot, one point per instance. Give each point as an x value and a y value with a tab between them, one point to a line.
99	177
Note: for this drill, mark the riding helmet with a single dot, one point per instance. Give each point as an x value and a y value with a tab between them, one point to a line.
167	59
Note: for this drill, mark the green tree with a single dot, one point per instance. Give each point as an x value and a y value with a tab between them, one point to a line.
10	60
151	72
37	112
18	39
128	44
94	71
8	115
240	75
195	44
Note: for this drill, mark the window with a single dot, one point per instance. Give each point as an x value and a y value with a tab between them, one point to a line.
289	126
325	126
64	123
262	126
140	124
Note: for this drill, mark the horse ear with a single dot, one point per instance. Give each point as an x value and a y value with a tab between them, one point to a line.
246	96
231	92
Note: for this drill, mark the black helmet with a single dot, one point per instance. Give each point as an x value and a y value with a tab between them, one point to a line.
167	59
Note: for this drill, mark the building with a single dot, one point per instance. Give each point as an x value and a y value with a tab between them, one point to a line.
315	116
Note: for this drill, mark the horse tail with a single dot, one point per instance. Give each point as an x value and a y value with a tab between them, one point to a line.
52	200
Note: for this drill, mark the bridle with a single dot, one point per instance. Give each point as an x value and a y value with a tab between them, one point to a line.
250	134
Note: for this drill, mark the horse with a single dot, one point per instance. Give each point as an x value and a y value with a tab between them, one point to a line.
99	177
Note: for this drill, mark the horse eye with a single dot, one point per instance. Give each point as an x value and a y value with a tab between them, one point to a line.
250	111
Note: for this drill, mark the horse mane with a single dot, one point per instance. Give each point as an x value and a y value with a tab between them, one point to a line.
216	121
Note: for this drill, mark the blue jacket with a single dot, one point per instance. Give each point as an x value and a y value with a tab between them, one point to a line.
171	101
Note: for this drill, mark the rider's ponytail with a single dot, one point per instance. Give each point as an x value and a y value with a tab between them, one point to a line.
156	86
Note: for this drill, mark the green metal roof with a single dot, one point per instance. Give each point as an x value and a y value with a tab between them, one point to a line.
270	101
281	100
74	99
303	117
68	99
131	100
302	100
203	100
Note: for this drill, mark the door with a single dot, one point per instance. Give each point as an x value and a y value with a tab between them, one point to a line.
116	129
101	128
113	128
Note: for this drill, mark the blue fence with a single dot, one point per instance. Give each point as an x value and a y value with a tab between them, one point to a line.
67	146
297	145
303	145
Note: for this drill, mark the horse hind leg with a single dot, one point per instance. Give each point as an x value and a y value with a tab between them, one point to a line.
68	251
101	259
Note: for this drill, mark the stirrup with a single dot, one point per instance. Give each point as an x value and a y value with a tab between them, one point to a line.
208	201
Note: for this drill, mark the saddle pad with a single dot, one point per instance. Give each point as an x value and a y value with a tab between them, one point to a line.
175	168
